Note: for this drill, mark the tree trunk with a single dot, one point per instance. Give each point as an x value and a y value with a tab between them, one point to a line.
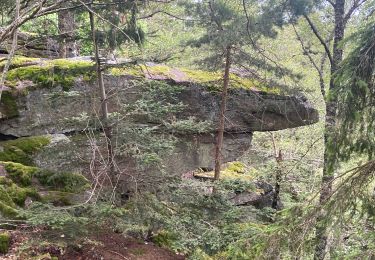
104	102
278	179
68	47
220	132
13	49
330	155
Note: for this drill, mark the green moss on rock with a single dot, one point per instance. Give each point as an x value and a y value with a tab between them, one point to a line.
5	198
23	175
19	194
7	206
18	61
12	194
211	80
8	105
4	242
20	150
20	173
53	73
232	171
7	211
21	182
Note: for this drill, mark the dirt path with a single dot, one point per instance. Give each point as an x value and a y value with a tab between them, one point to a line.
112	246
103	245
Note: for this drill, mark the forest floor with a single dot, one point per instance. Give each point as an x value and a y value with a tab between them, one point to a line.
103	245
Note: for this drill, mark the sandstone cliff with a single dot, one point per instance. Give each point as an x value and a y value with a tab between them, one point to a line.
60	97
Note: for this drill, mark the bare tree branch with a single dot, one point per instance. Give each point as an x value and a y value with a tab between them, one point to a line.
166	13
331	2
308	54
12	51
356	4
315	31
38	9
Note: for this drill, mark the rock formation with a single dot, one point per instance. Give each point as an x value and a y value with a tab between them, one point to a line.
31	46
60	98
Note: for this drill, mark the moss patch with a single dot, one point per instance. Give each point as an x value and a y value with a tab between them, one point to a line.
232	171
20	173
12	194
19	194
20	150
4	242
22	182
210	80
23	175
53	73
18	61
5	198
8	105
7	211
7	205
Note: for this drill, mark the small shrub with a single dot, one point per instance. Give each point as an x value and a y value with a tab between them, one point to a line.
4	242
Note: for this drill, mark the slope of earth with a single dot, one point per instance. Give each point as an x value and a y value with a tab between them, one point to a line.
103	245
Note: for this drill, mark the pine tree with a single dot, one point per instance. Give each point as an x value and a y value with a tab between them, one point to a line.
356	95
232	28
341	17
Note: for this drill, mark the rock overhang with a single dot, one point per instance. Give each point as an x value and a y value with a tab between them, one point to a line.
252	106
48	107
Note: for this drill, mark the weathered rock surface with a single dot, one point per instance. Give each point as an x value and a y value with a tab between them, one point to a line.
48	111
260	199
31	46
35	109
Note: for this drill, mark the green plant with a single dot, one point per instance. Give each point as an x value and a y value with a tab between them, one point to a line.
4	242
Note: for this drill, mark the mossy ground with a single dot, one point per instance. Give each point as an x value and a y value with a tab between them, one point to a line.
51	73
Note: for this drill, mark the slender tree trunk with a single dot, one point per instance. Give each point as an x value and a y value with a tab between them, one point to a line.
330	155
104	102
220	132
278	174
278	179
13	49
66	23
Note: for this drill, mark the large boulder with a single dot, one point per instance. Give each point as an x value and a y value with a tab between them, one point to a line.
41	99
31	45
61	97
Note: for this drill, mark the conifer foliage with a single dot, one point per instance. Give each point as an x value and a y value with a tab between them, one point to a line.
356	96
